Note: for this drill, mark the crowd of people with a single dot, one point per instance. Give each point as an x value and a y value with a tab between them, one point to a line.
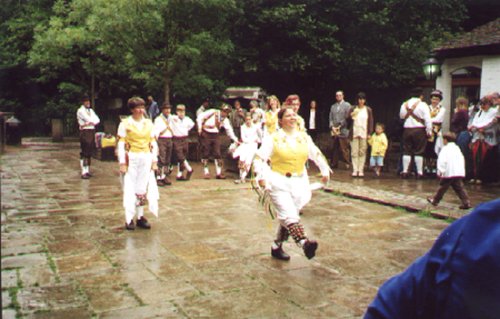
277	144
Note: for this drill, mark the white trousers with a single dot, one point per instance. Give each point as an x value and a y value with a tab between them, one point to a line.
289	195
135	182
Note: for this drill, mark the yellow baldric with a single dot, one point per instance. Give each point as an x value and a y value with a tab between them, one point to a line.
271	121
286	159
139	140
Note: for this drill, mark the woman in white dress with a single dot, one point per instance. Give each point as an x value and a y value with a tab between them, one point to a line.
251	136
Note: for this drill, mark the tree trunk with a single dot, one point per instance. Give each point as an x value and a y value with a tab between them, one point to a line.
92	88
166	86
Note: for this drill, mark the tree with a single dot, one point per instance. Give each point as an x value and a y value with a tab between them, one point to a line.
315	43
19	90
179	46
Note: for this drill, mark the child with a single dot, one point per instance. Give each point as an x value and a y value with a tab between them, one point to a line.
451	170
251	135
378	142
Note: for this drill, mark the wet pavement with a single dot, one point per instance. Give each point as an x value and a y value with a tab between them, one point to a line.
65	253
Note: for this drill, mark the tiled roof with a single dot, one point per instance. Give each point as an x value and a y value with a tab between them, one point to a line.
485	35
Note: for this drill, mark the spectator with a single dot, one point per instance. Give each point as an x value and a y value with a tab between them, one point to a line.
378	142
484	141
153	109
361	128
339	112
237	118
312	120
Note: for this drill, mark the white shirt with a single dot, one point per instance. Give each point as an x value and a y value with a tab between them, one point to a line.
420	109
451	162
207	122
181	127
439	118
162	127
312	120
258	116
87	115
359	127
252	134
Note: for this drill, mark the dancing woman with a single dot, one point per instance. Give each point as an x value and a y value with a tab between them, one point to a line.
286	179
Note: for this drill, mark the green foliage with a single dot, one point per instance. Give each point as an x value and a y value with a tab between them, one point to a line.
359	43
63	104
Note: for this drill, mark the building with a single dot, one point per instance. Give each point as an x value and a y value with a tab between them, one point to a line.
470	66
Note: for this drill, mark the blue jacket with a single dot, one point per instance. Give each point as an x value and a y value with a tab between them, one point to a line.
458	278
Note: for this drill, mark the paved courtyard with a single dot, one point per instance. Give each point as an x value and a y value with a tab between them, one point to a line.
65	253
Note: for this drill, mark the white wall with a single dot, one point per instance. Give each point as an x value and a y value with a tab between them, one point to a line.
490	75
490	78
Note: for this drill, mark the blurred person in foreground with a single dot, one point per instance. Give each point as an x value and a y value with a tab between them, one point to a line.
458	278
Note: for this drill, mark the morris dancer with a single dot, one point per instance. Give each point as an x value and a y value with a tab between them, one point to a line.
273	106
163	134
138	155
181	125
209	124
87	121
251	136
286	180
417	128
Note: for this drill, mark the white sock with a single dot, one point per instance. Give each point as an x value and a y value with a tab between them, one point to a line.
206	171
406	163
218	169
419	162
179	173
140	211
302	242
275	246
187	166
243	174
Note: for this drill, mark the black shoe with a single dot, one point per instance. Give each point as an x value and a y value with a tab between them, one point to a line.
160	182
404	175
188	175
85	176
130	226
220	176
181	178
431	201
465	206
309	248
143	223
280	254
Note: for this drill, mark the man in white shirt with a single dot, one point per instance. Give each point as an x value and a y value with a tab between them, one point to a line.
209	125
181	125
163	135
417	127
87	121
